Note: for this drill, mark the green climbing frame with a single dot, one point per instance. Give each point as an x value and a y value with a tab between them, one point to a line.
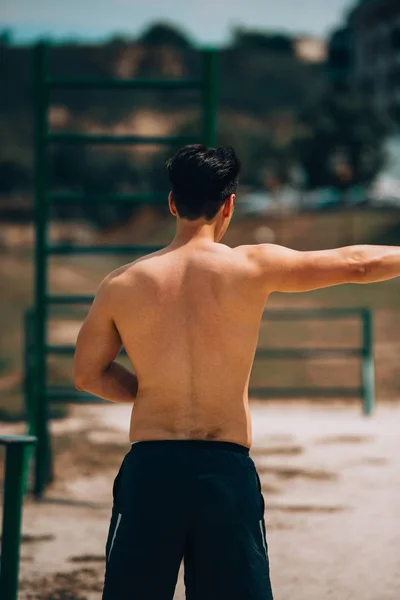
44	83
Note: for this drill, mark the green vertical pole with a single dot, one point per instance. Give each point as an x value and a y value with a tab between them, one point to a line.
210	96
28	379
14	489
367	363
40	316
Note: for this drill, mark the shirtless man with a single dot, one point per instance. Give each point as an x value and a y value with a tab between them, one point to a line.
188	317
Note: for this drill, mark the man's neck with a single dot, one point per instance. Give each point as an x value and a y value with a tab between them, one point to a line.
193	232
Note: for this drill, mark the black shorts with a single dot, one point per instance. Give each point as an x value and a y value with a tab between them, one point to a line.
193	500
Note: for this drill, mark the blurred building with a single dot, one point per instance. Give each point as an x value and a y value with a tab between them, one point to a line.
309	49
366	54
376	27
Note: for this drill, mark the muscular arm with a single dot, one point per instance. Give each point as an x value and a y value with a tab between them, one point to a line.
285	270
97	347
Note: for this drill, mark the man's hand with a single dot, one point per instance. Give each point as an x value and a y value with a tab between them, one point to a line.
97	347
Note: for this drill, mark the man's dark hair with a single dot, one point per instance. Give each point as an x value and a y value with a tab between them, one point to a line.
202	179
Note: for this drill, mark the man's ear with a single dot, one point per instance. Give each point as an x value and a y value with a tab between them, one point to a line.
229	206
171	204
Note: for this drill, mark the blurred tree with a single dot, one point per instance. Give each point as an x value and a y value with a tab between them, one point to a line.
339	142
76	170
69	166
269	42
119	40
107	175
339	65
263	87
260	155
13	176
163	34
6	37
256	146
270	82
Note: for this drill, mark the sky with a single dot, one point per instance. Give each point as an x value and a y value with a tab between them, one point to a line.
206	21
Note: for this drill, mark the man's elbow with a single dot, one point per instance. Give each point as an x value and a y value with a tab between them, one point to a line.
360	273
80	384
81	380
360	268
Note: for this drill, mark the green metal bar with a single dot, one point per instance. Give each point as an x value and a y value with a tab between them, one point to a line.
138	198
317	392
110	249
210	96
306	352
14	489
27	362
312	314
269	314
28	385
67	350
64	350
84	83
62	299
41	224
367	364
74	397
59	395
109	139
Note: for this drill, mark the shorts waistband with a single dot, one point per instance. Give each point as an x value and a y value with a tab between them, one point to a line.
191	444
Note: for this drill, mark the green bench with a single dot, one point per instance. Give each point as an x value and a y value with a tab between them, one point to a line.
17	454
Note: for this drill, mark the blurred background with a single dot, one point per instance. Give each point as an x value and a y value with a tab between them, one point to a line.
309	96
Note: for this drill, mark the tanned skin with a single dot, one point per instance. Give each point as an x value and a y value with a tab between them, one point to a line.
189	317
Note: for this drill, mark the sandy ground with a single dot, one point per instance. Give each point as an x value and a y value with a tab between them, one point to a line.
331	481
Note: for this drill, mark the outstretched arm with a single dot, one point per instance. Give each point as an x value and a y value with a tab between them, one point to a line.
285	270
97	347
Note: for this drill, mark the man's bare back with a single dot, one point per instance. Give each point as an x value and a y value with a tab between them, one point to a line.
189	317
189	320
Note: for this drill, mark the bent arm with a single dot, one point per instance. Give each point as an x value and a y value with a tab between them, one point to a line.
285	270
97	347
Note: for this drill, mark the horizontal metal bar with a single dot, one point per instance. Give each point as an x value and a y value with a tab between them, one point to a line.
123	84
317	392
109	139
268	315
314	313
137	198
58	395
10	440
68	350
60	350
64	299
306	352
261	352
111	249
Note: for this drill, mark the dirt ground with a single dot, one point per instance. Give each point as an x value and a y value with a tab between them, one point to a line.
331	481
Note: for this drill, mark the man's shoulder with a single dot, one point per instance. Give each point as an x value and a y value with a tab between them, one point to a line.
258	252
130	273
264	261
117	276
